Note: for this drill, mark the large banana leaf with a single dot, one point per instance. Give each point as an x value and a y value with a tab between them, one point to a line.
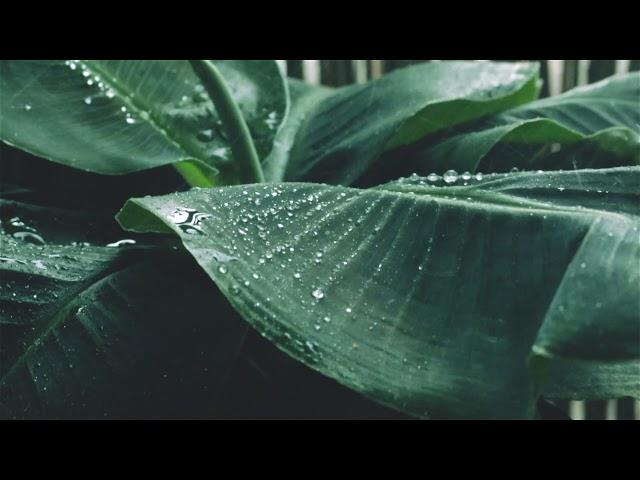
344	133
121	116
430	299
94	332
603	117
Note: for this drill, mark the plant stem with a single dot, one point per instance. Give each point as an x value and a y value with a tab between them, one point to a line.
233	124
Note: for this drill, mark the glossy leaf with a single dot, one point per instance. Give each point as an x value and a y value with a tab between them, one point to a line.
428	297
121	116
601	123
345	133
96	332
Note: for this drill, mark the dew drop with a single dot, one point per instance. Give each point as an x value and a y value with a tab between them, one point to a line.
222	269
88	100
432	177
450	176
29	237
27	107
317	293
119	243
110	93
479	176
205	135
466	176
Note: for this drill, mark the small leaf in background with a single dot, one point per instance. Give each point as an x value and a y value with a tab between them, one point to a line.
599	124
345	133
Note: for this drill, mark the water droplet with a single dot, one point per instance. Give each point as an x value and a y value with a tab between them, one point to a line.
326	319
348	310
317	293
450	176
110	93
130	120
479	176
88	100
514	170
119	243
466	176
296	275
205	135
432	177
561	189
29	237
583	265
272	120
27	107
222	269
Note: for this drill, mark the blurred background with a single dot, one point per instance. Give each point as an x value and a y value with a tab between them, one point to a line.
558	76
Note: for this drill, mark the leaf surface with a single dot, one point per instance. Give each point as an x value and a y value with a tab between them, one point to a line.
120	116
345	133
97	332
598	120
427	297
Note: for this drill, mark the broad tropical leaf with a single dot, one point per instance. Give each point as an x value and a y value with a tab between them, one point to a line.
343	134
603	117
95	332
428	297
120	116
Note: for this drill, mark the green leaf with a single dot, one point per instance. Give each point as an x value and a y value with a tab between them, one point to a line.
345	133
303	97
600	121
426	298
94	332
120	116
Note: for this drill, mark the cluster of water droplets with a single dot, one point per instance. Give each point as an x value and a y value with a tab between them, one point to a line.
450	177
263	231
18	229
104	90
